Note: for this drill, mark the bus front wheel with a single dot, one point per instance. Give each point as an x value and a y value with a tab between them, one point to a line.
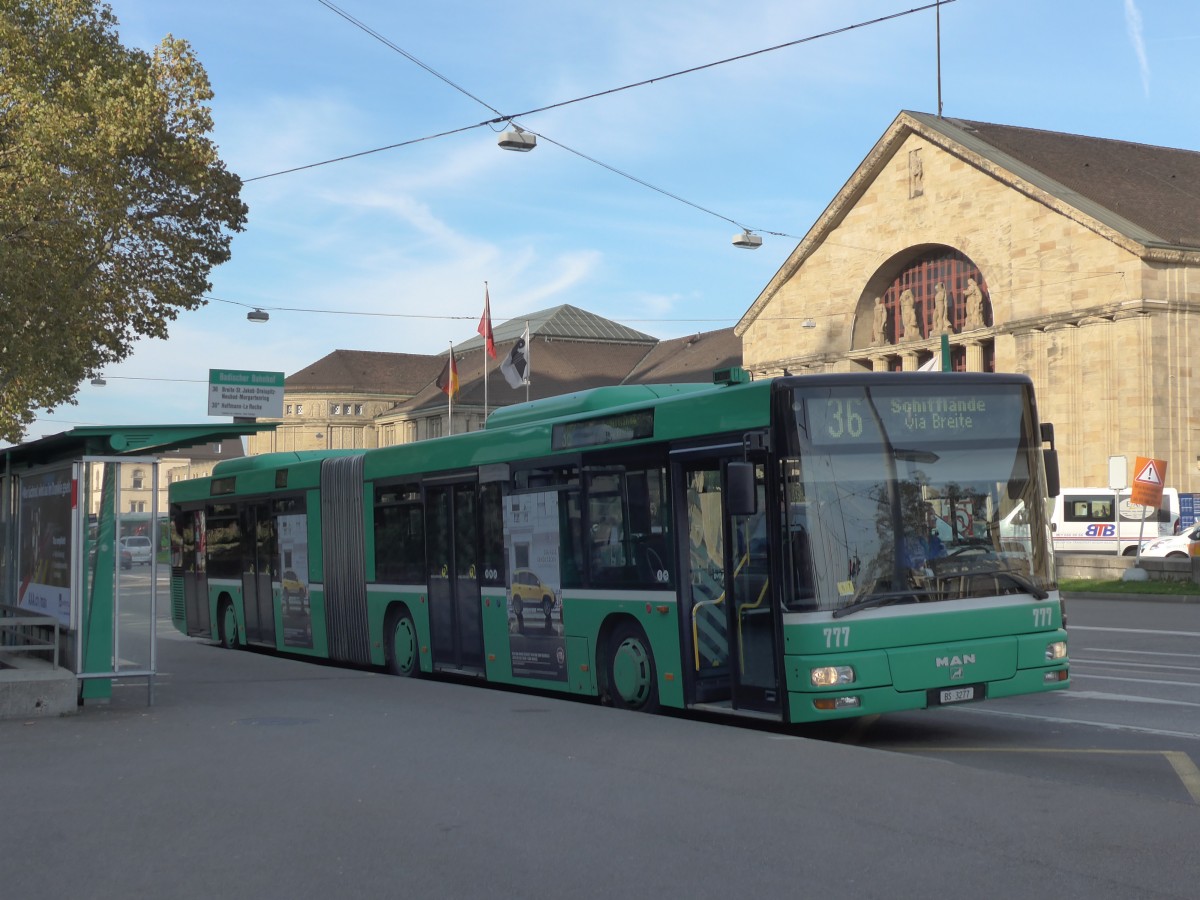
227	625
632	681
402	651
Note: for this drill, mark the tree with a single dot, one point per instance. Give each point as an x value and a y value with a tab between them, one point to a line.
114	206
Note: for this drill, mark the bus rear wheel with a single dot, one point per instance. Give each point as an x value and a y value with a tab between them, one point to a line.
227	627
402	651
632	681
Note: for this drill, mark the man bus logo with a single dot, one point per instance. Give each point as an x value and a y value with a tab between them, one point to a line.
945	662
955	664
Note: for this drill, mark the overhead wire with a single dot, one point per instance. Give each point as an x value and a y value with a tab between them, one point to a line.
721	62
396	315
991	292
511	119
358	23
503	118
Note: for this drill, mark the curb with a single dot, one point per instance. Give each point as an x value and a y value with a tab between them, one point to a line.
1152	598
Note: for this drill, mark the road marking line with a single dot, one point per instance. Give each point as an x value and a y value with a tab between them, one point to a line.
1086	677
1125	698
1126	652
1134	664
1132	630
1187	772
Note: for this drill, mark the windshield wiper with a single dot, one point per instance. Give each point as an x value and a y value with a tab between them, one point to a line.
1022	581
951	567
882	598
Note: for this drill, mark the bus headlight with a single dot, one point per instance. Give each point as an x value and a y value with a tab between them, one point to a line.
1057	650
828	676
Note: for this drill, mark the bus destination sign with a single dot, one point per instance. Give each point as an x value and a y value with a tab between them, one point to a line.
233	392
852	417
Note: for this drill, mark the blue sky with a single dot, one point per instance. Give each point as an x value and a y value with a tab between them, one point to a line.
411	234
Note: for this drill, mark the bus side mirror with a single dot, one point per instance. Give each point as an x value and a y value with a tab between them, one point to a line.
1050	458
740	496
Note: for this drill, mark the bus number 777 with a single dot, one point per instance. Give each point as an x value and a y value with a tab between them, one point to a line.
837	637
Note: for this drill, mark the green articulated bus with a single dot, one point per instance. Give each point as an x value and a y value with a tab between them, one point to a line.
794	549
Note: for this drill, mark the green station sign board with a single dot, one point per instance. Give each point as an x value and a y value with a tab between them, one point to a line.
234	392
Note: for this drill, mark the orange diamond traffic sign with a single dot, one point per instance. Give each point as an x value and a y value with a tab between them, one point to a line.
1149	477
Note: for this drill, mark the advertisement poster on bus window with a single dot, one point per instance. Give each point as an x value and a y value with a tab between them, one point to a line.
296	611
535	626
44	567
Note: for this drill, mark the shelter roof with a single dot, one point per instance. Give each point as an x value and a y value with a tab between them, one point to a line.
124	440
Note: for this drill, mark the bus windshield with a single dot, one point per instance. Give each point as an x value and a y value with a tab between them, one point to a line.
896	494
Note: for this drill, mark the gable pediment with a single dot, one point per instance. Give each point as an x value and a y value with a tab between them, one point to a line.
967	142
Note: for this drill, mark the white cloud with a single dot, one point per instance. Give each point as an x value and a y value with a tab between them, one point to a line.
1133	26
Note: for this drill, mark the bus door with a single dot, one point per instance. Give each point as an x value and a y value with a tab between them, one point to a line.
727	601
259	553
452	548
187	553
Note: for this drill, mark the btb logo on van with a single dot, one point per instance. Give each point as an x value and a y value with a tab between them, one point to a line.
1101	531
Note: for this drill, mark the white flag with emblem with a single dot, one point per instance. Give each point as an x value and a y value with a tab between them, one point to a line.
515	367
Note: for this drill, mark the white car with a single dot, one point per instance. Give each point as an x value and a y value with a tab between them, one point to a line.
139	548
1175	547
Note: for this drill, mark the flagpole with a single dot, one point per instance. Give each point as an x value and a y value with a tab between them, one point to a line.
487	311
450	393
528	361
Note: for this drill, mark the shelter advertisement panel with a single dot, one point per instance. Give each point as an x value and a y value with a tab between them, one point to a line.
44	565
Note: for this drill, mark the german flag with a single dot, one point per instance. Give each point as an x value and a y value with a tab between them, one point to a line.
447	382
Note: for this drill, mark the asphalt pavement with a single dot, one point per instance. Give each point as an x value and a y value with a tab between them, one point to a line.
266	777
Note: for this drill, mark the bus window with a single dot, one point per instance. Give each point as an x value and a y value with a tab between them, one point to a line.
399	535
564	478
628	539
223	539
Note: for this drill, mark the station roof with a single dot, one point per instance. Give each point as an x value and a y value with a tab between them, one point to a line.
123	440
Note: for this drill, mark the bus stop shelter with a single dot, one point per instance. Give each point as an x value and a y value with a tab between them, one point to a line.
68	607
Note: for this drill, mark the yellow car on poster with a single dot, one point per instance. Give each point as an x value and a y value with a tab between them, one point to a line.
529	591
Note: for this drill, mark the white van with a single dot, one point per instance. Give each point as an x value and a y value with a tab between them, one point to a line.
1083	521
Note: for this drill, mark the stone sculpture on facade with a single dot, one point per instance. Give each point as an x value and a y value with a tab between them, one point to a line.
974	299
908	316
941	321
879	324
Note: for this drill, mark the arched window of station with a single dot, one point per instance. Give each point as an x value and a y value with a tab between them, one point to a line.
936	290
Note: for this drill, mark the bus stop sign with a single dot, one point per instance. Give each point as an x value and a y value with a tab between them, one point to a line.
1149	475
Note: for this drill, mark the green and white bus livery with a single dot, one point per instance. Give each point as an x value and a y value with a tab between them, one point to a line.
795	549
